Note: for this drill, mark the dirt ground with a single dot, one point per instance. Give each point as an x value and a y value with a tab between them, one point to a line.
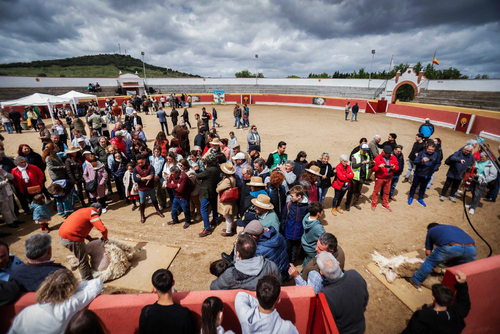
359	232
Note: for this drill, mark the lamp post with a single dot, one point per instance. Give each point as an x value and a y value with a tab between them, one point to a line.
144	68
256	68
371	67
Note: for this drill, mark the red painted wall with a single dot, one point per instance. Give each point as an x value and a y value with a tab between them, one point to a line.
444	116
483	277
120	313
488	124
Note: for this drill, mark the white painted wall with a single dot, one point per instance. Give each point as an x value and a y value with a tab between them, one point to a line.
471	85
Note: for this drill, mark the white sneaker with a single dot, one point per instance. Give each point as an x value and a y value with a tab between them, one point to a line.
441	198
460	192
467	206
150	201
471	211
104	210
160	207
452	199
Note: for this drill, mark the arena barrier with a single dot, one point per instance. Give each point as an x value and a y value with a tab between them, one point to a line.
480	122
483	277
120	313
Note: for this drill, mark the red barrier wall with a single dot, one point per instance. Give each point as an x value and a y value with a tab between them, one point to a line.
323	322
483	277
487	124
443	116
120	313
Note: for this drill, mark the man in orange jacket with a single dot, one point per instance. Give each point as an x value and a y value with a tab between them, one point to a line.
76	229
385	166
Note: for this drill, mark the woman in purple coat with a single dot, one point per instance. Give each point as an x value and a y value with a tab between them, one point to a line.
95	171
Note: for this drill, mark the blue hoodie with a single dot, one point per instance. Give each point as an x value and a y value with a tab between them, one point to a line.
40	211
292	216
272	246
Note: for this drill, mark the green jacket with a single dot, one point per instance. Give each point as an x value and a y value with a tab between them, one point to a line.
270	219
209	180
101	154
312	230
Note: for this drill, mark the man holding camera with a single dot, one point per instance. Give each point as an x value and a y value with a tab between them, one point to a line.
385	166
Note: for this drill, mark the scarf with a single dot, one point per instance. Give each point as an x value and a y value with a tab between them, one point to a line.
24	173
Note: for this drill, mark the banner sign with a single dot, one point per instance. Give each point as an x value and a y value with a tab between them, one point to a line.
246	99
219	97
195	98
319	100
463	122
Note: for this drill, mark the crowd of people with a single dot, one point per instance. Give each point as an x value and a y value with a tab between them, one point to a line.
278	202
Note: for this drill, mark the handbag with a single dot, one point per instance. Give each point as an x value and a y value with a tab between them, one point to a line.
447	162
34	190
230	194
91	186
346	186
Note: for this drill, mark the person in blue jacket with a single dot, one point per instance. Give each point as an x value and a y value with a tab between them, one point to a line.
271	245
427	129
427	163
291	220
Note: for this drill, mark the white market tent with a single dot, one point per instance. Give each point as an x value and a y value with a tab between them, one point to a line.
77	96
38	99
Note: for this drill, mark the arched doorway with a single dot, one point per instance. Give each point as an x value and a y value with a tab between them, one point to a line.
405	91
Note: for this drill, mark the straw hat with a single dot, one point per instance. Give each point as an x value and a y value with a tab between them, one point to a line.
314	170
215	141
256	181
228	168
263	201
73	149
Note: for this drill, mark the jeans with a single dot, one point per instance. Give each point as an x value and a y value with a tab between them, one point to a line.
184	205
237	122
322	194
144	194
430	182
354	192
247	122
354	115
419	181
214	122
190	104
80	252
183	104
477	193
346	115
455	183
411	167
164	127
394	183
459	255
8	127
337	199
205	202
494	192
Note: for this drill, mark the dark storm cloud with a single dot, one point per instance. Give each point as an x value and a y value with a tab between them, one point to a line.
219	38
332	18
36	21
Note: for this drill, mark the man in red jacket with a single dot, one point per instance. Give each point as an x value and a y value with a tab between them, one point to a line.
119	142
180	183
385	166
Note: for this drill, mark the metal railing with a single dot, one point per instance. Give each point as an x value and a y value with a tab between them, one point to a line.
380	89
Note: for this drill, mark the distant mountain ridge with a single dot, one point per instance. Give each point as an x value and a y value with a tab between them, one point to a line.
103	65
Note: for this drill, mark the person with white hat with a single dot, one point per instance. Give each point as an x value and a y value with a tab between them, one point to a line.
239	161
360	164
227	204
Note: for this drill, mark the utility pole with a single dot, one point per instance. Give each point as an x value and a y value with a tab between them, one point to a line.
143	67
256	68
119	49
371	67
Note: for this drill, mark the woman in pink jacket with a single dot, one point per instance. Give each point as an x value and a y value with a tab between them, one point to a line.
95	171
341	183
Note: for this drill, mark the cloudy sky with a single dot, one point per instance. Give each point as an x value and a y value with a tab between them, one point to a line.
219	38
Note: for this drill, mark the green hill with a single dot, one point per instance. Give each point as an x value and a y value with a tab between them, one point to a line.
100	66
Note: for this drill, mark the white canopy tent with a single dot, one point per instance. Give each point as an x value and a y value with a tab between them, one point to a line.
77	96
38	99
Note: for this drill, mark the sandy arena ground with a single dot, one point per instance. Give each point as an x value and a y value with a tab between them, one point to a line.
359	232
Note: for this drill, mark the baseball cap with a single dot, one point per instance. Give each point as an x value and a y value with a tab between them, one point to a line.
365	147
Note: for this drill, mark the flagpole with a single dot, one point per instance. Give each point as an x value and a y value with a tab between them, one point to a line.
390	64
432	62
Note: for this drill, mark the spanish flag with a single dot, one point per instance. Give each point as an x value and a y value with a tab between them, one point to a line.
434	60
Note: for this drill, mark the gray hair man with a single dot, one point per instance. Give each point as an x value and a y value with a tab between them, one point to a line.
38	250
459	161
346	294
